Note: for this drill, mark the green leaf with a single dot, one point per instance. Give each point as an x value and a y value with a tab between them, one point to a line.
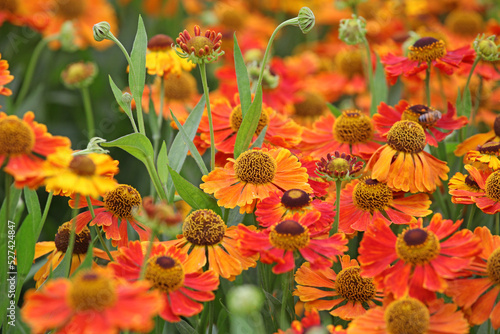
162	163
334	110
184	328
380	91
179	149
20	327
242	78
137	72
194	151
260	139
395	93
193	195
466	104
118	97
87	263
248	125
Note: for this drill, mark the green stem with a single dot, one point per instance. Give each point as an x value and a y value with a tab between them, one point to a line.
99	234
476	61
153	173
87	104
157	135
369	64
497	223
287	285
476	106
203	73
28	76
471	217
335	227
210	316
428	83
72	237
148	253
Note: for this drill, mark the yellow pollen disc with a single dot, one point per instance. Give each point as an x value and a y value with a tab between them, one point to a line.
82	165
236	119
179	87
408	316
295	198
493	186
353	127
493	267
165	273
71	9
16	137
204	227
312	105
466	23
199	43
91	291
417	246
350	285
371	195
82	239
256	167
349	63
406	136
122	201
338	165
289	235
426	49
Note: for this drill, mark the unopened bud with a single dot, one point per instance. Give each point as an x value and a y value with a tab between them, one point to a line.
127	98
306	19
67	37
352	31
486	48
79	75
102	31
245	299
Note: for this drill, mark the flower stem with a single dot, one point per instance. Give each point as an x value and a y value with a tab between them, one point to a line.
428	83
475	107
99	235
28	76
210	316
203	72
476	61
497	223
287	286
335	227
148	253
471	217
72	236
87	104
157	136
369	65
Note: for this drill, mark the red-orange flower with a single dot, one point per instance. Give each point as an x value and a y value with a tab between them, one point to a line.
182	285
423	51
346	295
5	77
279	242
479	139
409	315
253	176
22	142
91	302
478	295
462	185
437	125
311	322
420	259
363	201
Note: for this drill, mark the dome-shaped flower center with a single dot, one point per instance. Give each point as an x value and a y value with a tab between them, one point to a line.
338	165
295	198
289	235
82	165
236	118
353	127
466	23
496	126
197	43
349	63
165	273
421	114
493	267
204	227
122	201
82	239
160	42
371	195
79	73
312	105
493	186
256	167
70	9
491	147
9	5
350	285
16	137
426	49
91	290
180	87
417	246
471	182
406	136
409	316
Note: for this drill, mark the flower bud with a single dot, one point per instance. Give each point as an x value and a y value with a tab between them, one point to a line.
67	37
352	31
306	19
127	98
486	48
245	299
79	75
102	31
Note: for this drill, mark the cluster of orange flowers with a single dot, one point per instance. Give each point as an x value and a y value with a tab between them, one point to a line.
317	182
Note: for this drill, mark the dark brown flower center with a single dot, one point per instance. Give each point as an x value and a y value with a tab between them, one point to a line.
496	126
417	246
122	201
165	273
295	198
204	227
236	119
82	165
289	235
471	182
353	127
160	42
492	147
426	49
82	239
370	195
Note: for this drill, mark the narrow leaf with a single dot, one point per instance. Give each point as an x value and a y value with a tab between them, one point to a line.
184	328
137	72
242	78
248	125
466	103
162	163
260	139
118	97
334	110
380	91
135	144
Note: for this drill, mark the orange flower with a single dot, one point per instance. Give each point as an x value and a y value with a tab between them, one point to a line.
486	156
478	295
113	213
346	295
437	125
409	315
362	201
5	77
182	285
461	185
279	242
253	176
204	232
281	131
472	142
161	59
403	164
421	258
22	142
281	205
91	302
311	322
352	133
